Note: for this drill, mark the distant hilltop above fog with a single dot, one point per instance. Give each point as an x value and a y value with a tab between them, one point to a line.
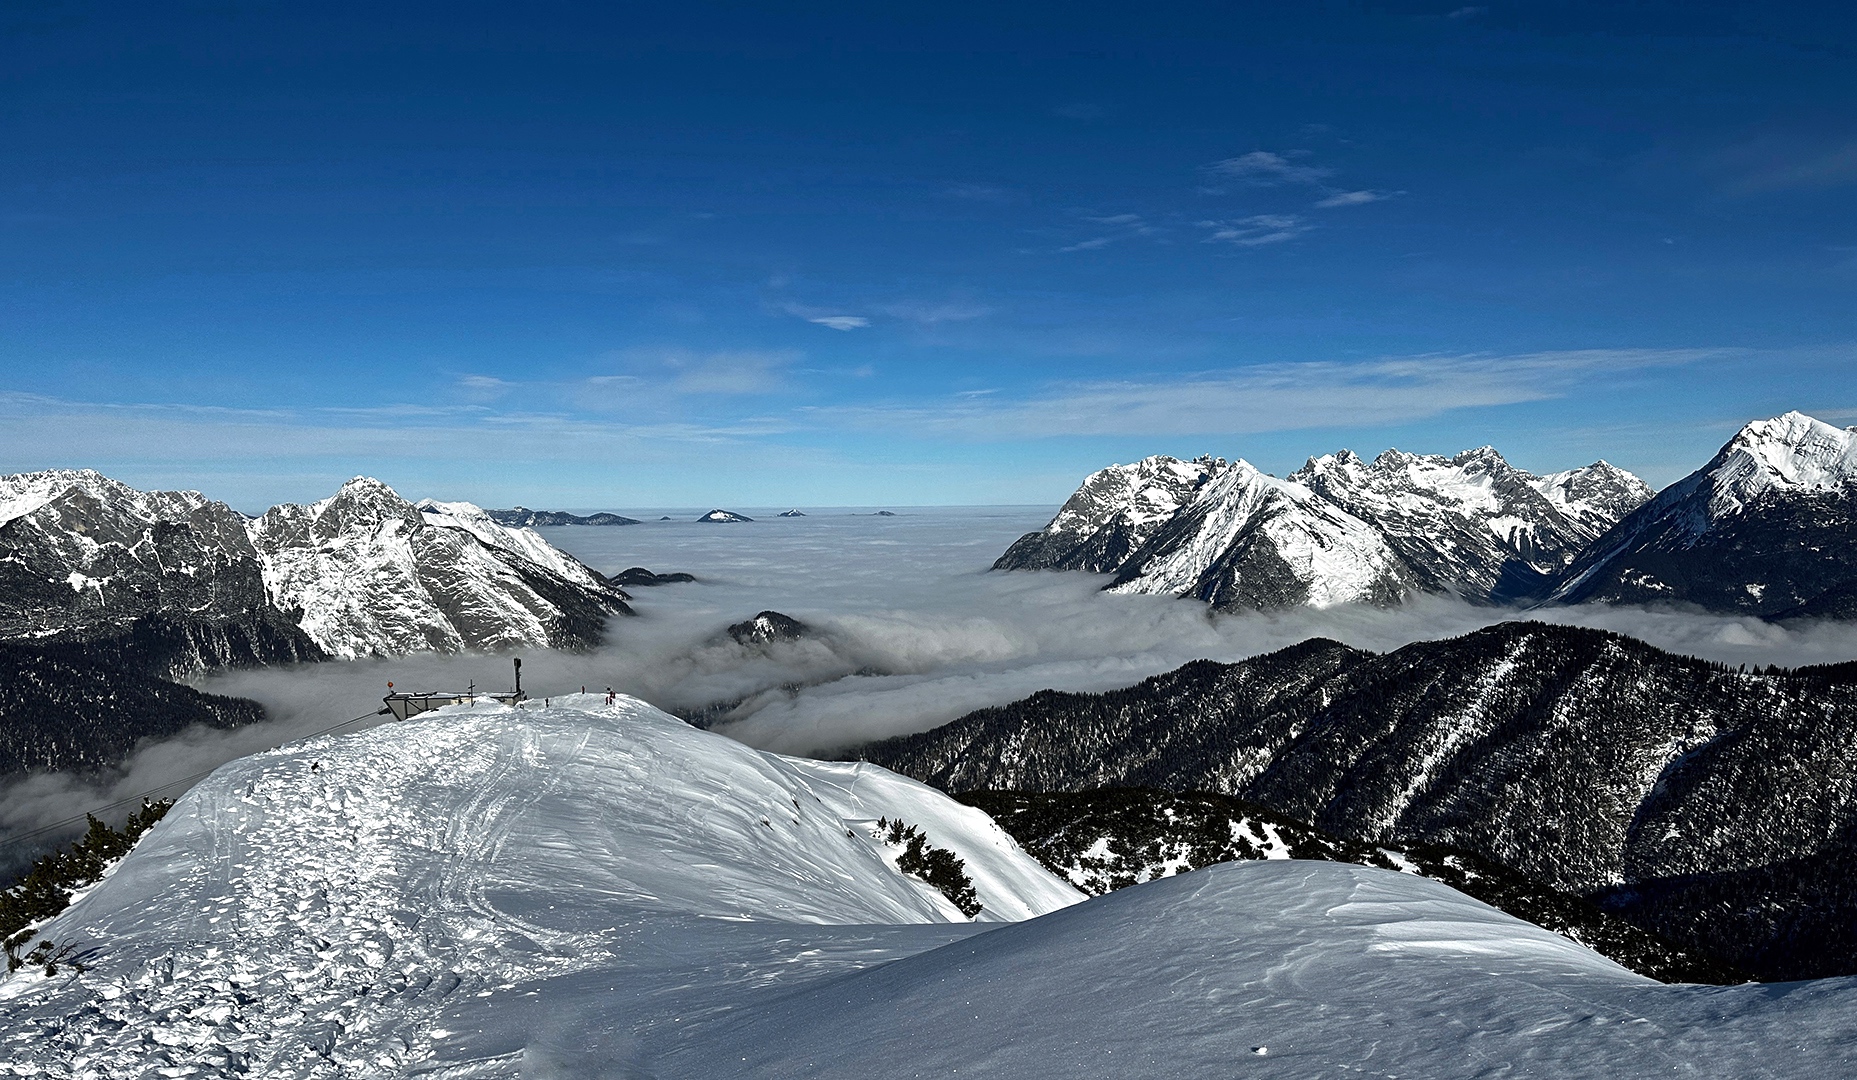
724	516
1765	528
522	517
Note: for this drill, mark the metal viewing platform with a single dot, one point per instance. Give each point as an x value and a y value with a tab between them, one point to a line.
402	704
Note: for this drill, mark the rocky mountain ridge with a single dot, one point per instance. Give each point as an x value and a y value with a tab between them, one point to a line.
363	572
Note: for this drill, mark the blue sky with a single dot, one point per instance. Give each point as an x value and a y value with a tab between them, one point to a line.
627	255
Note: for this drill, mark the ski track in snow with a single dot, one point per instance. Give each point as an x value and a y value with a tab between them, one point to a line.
308	911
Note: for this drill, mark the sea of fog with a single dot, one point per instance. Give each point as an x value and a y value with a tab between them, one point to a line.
909	630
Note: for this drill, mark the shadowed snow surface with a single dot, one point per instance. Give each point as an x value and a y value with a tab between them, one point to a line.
585	890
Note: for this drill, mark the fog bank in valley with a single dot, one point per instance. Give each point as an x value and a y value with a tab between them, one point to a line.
910	631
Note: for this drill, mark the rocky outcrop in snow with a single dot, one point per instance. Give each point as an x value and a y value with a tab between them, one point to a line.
1768	527
1338	530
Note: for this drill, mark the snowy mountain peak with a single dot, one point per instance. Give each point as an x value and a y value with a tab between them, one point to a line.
1251	540
1763	528
1789	451
1112	513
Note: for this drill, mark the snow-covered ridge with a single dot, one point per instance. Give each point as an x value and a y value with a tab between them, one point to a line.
525	542
589	891
24	493
319	906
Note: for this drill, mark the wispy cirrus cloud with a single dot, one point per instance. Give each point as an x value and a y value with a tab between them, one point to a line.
934	313
1271	397
830	318
1778	164
1352	198
1266	169
1121	227
980	193
1257	230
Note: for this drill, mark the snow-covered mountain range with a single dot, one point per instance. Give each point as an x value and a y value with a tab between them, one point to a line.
364	572
1766	527
604	891
1338	530
1715	807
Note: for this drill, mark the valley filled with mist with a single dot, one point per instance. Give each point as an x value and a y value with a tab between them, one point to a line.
909	630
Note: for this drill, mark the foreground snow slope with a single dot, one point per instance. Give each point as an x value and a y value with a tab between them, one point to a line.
583	891
306	912
1274	969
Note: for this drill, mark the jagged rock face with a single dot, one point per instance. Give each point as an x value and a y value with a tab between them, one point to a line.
1474	524
1596	497
85	558
369	574
1111	515
1668	788
1338	530
1768	527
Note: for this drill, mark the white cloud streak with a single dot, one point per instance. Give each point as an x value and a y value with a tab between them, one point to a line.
1257	230
1264	168
1273	397
1351	198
